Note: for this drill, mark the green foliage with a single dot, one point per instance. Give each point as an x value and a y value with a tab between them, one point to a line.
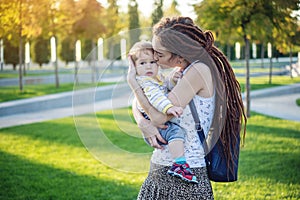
67	52
48	161
259	21
41	50
89	26
134	23
11	54
298	102
114	24
86	48
157	12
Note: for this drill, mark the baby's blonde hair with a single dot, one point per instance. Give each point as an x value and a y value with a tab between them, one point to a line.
140	47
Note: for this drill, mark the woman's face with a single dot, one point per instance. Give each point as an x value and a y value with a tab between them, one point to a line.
162	56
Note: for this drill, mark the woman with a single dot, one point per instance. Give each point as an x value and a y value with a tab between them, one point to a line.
209	81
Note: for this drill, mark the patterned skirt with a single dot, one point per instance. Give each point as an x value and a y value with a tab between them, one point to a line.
161	186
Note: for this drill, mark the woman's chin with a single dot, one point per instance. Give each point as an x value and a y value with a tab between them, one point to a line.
164	66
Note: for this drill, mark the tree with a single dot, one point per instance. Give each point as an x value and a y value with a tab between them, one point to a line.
134	23
18	25
89	28
68	15
11	55
287	38
172	10
90	25
158	12
113	26
67	50
41	50
243	16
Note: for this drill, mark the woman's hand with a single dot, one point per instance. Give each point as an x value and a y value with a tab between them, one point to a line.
131	74
151	133
148	129
176	75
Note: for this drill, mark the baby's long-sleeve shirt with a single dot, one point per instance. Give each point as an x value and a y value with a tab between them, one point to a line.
156	92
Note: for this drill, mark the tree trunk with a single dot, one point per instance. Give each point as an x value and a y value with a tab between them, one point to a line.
291	61
20	49
24	69
228	52
247	52
20	65
93	66
56	65
262	55
1	54
270	72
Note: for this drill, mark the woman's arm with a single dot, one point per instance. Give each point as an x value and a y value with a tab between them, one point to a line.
197	80
149	131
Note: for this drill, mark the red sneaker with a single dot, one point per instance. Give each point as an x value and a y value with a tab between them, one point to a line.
183	171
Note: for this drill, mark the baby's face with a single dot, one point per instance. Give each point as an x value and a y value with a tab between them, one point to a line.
146	65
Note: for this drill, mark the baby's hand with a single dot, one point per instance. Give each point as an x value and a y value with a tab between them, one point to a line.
175	110
176	76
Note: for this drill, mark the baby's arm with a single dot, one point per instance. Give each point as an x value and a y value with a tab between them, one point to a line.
154	94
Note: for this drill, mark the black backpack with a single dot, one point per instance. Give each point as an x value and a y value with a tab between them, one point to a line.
216	163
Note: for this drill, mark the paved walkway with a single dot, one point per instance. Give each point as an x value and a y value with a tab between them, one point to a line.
283	106
278	102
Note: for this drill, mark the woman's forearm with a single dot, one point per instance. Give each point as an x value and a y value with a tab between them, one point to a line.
145	125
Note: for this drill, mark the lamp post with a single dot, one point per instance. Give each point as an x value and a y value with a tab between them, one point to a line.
237	50
100	49
270	57
27	55
254	50
54	58
77	58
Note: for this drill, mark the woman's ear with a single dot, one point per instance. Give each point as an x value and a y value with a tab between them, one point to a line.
180	60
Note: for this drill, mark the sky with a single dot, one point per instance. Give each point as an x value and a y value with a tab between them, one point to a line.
146	6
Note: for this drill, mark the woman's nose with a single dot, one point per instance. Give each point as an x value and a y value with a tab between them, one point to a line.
155	56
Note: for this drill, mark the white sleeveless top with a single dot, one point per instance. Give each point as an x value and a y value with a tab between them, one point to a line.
193	150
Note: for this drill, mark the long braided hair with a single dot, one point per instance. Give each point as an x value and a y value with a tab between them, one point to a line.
182	37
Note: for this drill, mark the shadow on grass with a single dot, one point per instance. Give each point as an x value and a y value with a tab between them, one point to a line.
64	132
276	166
22	179
274	131
56	131
271	150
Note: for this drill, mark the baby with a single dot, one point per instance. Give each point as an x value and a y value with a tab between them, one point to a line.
155	89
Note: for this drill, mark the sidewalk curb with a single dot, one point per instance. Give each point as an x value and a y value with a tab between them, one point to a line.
61	100
274	91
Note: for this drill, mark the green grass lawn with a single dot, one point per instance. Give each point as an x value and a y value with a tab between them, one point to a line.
263	82
29	73
47	160
9	93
